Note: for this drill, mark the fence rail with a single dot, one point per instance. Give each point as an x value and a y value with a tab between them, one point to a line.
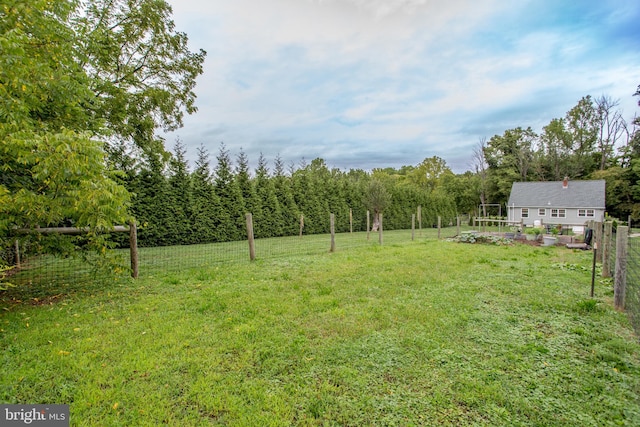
500	223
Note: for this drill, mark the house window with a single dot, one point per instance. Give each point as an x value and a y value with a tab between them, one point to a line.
525	212
558	213
586	213
542	212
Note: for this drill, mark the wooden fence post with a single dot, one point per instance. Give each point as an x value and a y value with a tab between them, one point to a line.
458	225
420	219
439	226
606	249
252	242
17	248
350	220
301	224
368	224
620	281
598	239
413	226
332	224
133	248
380	239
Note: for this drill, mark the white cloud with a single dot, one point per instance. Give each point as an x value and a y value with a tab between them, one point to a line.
332	75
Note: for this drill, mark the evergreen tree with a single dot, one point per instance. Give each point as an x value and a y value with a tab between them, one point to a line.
286	200
270	219
248	192
404	203
320	187
180	190
233	223
309	196
151	207
206	209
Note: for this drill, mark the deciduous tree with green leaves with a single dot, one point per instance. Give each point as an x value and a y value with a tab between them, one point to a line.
429	172
509	158
582	125
376	198
141	71
78	80
53	167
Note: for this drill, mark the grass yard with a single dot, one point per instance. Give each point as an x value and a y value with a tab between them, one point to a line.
416	333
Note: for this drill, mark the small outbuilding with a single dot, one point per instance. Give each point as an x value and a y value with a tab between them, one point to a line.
566	203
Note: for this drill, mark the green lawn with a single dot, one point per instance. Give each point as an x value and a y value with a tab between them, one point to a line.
411	333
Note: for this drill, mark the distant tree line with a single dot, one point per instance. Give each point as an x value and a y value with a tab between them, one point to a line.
592	141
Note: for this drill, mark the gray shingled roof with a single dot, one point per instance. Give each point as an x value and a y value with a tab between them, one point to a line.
578	194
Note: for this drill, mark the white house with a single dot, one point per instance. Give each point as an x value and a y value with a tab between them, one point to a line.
570	203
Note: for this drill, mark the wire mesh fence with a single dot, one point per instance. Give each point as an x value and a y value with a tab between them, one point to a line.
632	293
49	272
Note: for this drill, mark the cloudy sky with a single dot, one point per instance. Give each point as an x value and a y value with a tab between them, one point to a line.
386	83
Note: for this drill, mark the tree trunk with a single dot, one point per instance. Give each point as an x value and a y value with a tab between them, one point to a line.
376	221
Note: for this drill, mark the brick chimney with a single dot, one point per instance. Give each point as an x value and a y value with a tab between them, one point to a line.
565	182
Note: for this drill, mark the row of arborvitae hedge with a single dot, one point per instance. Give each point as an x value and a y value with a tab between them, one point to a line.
175	205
